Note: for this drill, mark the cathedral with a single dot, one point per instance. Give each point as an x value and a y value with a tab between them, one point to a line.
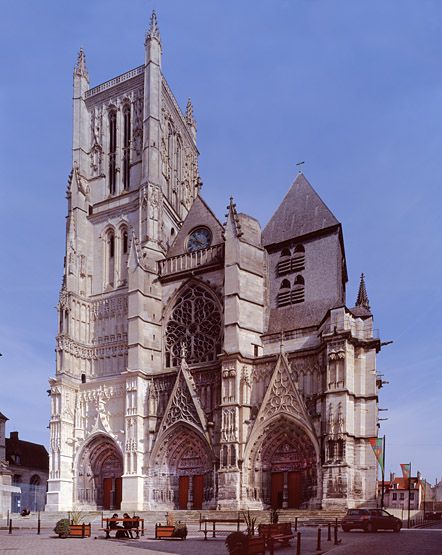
200	364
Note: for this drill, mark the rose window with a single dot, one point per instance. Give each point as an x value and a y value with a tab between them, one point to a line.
196	322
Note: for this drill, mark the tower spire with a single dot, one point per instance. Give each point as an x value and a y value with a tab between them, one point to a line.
154	30
80	66
362	299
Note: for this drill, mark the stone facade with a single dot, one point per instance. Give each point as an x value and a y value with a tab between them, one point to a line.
199	364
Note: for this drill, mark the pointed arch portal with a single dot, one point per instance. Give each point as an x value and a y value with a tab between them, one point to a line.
99	472
182	469
283	470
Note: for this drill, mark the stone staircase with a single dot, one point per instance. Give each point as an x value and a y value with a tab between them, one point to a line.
192	517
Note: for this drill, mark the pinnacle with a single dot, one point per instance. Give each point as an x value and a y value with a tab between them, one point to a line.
154	31
189	113
80	66
362	299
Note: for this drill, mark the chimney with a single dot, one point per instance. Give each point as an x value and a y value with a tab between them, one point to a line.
13	436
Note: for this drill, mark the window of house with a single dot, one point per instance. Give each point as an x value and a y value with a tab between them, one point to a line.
35	480
401	496
411	496
394	496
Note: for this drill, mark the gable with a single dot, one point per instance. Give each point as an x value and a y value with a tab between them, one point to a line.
198	215
184	405
282	396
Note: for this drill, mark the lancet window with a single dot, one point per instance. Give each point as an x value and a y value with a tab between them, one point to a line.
126	146
291	261
195	321
112	151
289	294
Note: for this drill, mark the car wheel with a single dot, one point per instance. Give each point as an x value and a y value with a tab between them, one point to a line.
369	528
397	528
346	529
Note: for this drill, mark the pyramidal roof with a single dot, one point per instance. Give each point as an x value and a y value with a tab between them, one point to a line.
301	212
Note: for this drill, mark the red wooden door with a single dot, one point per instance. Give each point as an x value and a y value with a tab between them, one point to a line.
198	491
295	490
183	492
277	483
107	493
118	492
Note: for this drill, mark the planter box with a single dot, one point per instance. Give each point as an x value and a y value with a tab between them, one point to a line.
79	531
255	546
163	531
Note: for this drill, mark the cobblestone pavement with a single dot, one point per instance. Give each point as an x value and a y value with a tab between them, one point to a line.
407	542
26	541
425	541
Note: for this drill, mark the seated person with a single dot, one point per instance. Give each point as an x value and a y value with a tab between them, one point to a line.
128	525
112	524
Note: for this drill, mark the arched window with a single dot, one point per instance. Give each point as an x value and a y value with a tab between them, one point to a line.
170	152
126	147
298	290
284	298
283	266
298	259
178	160
123	255
195	321
110	258
112	151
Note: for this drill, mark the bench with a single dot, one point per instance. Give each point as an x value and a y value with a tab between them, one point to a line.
166	532
276	533
129	525
221	521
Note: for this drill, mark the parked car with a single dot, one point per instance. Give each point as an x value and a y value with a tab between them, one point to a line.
370	520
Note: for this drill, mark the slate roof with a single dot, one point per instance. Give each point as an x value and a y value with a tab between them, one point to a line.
301	212
32	455
302	315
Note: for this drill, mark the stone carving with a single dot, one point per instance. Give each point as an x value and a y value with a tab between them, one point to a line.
229	428
110	308
282	395
196	321
138	122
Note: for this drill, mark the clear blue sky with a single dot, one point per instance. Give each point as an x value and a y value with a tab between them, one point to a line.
353	88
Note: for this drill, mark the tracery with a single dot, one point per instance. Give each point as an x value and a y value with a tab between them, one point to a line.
196	322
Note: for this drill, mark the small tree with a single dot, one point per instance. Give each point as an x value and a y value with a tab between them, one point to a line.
250	522
236	543
62	528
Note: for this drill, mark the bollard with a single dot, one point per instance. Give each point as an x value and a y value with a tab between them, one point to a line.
318	543
329	532
83	529
296	523
38	524
102	518
298	543
7	519
10	525
336	535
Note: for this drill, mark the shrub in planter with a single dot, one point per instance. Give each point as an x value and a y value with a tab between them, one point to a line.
180	531
62	528
236	543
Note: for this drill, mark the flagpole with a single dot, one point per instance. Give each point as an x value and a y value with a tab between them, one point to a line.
409	500
383	474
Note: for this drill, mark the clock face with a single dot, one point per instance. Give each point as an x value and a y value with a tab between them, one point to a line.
199	239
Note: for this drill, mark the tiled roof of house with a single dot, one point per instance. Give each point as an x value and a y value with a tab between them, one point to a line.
31	455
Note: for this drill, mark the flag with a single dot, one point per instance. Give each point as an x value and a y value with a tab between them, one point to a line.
406	468
377	445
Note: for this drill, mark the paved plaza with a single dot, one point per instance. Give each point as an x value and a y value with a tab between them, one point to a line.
407	542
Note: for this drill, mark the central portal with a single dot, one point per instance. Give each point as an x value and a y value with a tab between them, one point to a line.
183	470
99	482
